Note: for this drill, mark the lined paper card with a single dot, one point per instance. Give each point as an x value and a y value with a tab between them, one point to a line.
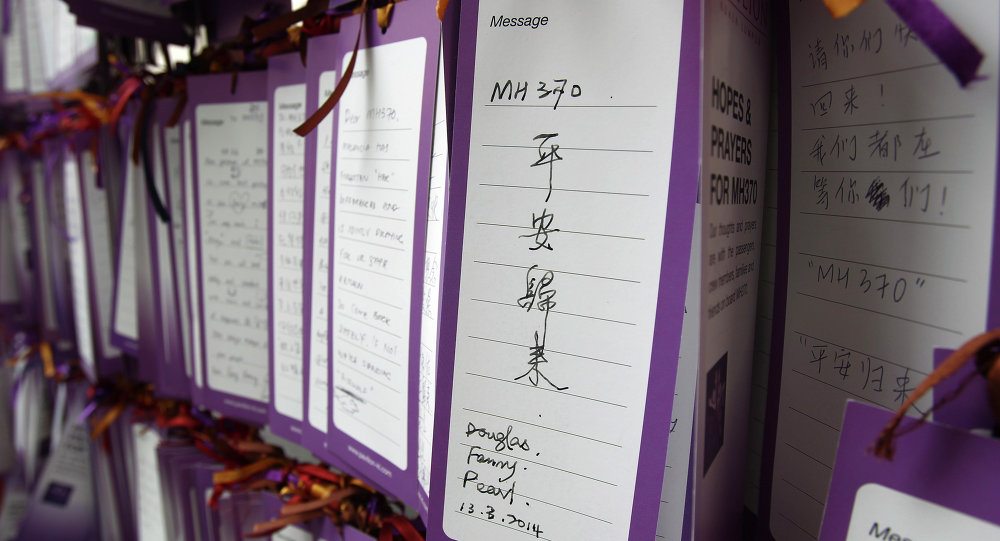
230	163
559	355
381	169
125	318
151	517
676	489
176	234
287	103
193	321
431	303
893	173
322	75
97	228
173	380
79	280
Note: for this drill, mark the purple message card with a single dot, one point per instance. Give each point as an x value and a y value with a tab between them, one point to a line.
97	241
322	74
229	163
172	377
286	98
942	483
125	307
565	268
173	170
381	170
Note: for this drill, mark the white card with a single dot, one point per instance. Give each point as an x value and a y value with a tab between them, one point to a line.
893	174
150	516
319	349
99	251
126	314
561	261
371	272
232	192
432	285
79	278
288	204
193	322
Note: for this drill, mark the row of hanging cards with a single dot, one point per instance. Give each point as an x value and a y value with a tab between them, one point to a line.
571	203
888	213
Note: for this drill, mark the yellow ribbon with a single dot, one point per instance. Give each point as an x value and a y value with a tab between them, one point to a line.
45	351
109	417
95	104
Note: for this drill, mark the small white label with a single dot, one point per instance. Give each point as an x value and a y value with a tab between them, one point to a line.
883	513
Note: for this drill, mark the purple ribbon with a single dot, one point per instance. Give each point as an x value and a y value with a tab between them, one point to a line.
942	37
87	411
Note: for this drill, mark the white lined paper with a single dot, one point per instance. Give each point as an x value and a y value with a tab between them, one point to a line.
893	180
560	269
288	204
378	132
232	197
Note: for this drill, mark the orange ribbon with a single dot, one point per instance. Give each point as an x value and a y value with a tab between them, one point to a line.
49	365
109	417
841	8
328	105
885	445
229	477
442	6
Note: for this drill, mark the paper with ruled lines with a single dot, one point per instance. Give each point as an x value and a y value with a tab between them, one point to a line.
319	347
175	180
371	264
287	200
125	323
79	278
232	190
893	172
96	213
565	208
431	303
191	256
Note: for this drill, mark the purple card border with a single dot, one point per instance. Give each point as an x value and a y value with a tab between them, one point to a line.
127	344
283	70
54	156
324	54
187	183
215	89
173	381
934	463
106	363
683	173
413	19
27	280
177	215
